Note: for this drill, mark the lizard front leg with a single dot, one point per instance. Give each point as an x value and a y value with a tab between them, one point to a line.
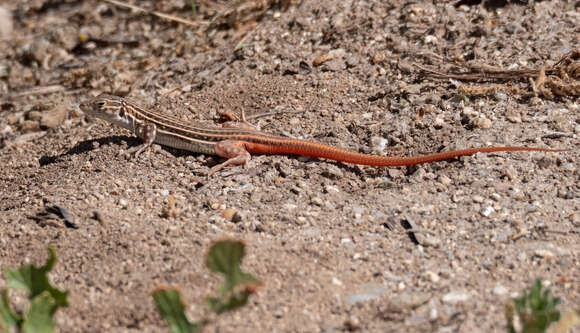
147	132
234	151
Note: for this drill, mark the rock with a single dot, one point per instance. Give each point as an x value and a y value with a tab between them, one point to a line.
6	25
482	122
543	253
430	241
487	211
29	126
406	302
335	65
438	123
67	36
455	297
232	215
321	59
123	203
444	180
500	290
39	49
432	276
500	96
54	117
34	115
369	292
546	250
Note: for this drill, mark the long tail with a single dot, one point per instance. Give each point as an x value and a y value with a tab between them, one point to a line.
315	149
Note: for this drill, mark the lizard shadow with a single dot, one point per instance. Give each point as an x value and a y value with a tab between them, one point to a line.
88	145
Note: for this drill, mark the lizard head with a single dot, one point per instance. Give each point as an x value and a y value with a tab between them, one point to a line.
107	107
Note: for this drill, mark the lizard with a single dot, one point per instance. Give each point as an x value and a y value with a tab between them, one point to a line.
237	144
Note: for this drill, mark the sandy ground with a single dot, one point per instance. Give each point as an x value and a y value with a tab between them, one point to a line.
329	240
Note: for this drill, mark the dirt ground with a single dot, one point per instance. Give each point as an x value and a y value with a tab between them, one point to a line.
439	247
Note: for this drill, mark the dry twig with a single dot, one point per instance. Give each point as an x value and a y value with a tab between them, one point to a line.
561	79
158	14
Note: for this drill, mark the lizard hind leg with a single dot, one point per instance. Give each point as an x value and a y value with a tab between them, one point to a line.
234	151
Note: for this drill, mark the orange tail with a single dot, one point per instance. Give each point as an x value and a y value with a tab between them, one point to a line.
313	149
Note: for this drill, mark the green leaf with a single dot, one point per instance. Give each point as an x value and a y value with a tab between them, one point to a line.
39	316
536	309
34	280
168	302
193	8
221	305
8	318
225	257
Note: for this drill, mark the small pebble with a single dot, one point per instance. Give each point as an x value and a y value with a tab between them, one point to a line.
514	118
289	206
570	167
352	324
345	240
429	240
500	96
6	24
232	215
334	171
432	276
34	115
487	211
543	253
369	292
294	121
54	117
123	203
331	189
379	144
430	39
482	122
319	60
407	301
433	313
317	201
439	123
444	180
500	290
455	297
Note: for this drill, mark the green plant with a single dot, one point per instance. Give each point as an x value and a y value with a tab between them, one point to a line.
193	8
44	298
533	312
224	258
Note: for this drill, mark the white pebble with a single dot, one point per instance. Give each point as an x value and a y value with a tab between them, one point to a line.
500	290
455	297
487	211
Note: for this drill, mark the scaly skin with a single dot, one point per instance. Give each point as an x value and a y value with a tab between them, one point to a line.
237	144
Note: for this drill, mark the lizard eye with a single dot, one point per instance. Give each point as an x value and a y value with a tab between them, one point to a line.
101	104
